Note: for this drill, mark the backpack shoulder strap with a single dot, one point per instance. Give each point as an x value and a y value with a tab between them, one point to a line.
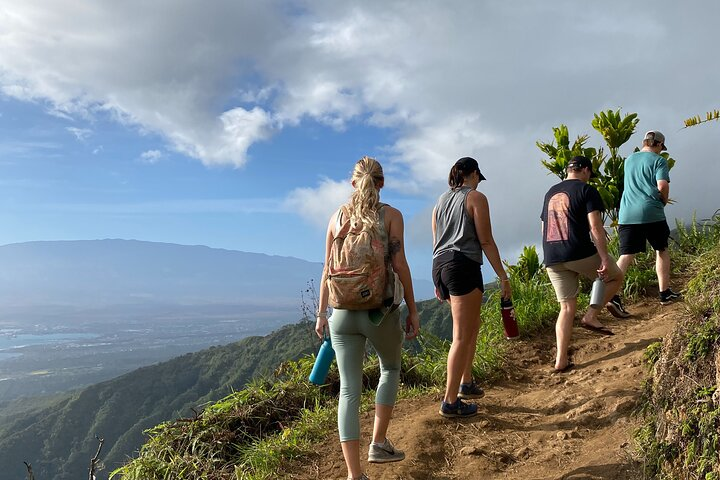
339	220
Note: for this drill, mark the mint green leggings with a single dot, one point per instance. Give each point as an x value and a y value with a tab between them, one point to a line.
349	329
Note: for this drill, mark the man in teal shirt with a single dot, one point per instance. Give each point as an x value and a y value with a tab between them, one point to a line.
642	213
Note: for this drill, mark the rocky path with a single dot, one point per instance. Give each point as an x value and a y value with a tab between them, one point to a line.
533	424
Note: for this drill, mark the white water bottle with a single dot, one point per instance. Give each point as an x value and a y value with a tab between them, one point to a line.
597	294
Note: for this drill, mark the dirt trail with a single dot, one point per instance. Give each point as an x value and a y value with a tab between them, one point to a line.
532	424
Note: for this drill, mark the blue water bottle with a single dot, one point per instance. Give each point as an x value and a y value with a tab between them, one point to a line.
322	362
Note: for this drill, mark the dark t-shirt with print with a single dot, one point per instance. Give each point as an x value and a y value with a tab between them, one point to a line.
566	228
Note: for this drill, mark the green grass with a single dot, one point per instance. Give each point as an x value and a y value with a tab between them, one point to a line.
652	353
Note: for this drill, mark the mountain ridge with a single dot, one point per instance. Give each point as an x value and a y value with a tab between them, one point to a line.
115	272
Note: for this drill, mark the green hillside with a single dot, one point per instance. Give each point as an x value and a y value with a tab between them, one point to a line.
681	434
57	435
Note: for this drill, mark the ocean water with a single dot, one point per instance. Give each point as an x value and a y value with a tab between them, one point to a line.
10	342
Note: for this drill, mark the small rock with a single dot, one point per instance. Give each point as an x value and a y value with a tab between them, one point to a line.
503	457
523	453
560	407
467	451
624	406
563	435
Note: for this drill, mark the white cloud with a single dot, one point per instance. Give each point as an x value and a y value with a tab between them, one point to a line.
151	156
317	204
165	73
81	134
485	79
431	148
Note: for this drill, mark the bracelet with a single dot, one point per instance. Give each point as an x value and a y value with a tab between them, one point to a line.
504	279
321	315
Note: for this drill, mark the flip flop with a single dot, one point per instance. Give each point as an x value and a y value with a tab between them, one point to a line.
565	369
601	330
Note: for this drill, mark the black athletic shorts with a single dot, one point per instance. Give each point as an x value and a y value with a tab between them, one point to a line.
455	274
633	237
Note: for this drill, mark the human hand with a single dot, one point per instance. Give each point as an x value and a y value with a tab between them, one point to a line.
602	271
438	295
412	326
320	325
505	289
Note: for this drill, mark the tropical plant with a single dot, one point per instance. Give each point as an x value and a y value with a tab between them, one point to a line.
560	151
528	267
616	130
697	120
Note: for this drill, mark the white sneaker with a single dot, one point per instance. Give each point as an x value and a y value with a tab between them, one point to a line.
384	453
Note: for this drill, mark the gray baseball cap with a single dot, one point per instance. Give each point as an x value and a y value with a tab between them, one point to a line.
655	136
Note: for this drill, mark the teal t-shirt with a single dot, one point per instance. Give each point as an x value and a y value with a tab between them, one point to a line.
641	201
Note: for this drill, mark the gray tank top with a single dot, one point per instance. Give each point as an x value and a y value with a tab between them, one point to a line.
454	228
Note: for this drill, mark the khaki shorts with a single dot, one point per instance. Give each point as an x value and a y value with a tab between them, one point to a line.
564	276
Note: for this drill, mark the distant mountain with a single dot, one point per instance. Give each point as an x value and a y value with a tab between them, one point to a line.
99	273
130	272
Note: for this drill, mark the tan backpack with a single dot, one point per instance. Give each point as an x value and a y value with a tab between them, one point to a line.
358	266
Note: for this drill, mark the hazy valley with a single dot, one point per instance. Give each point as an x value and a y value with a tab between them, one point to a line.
76	313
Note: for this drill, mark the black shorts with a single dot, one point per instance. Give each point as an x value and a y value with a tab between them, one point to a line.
455	274
633	237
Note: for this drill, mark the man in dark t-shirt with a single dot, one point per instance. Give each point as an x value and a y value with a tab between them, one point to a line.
574	244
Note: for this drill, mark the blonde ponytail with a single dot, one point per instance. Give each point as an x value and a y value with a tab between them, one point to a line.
365	199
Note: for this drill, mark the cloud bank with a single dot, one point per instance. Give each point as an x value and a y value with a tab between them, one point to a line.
449	79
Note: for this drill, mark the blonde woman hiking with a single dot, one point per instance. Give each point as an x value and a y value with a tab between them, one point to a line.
376	228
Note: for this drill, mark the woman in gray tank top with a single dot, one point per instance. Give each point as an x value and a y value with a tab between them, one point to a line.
461	233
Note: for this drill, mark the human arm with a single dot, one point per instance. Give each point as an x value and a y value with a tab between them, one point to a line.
399	264
662	177
597	232
434	230
321	321
663	187
477	206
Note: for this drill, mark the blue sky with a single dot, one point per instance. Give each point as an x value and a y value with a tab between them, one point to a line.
236	124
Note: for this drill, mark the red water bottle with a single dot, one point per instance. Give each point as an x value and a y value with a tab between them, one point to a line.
508	316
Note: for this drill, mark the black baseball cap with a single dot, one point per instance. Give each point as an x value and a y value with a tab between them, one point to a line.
468	165
580	161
